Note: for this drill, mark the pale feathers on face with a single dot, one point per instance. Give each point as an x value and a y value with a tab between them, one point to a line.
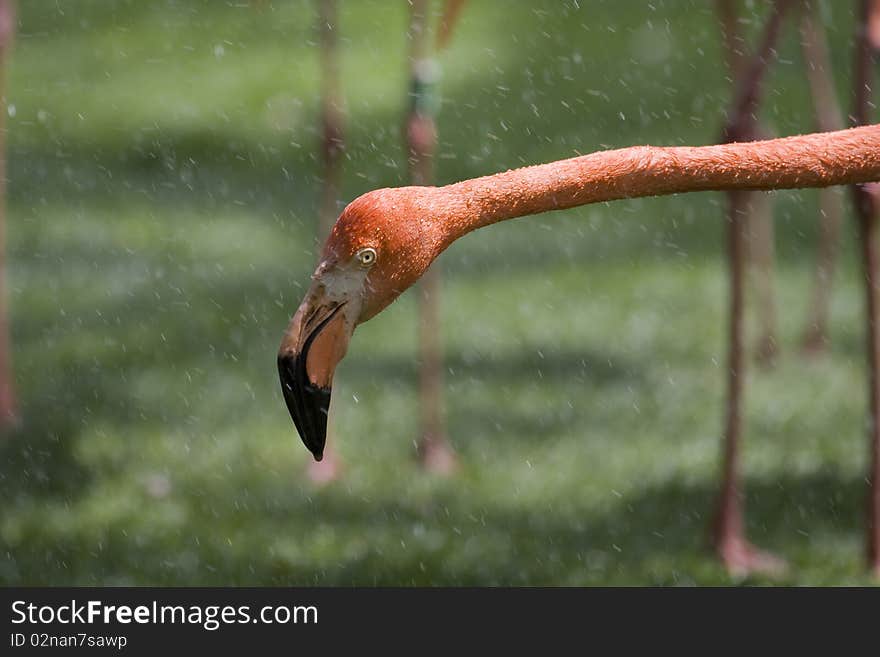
384	236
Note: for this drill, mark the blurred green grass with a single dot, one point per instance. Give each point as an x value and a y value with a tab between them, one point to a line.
163	192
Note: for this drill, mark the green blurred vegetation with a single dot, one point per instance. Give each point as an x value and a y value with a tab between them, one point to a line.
162	205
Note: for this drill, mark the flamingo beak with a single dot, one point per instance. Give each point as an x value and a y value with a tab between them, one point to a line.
316	340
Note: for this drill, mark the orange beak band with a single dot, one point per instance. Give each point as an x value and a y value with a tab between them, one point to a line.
314	343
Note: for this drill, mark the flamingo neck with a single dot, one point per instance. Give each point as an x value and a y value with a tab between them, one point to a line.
815	160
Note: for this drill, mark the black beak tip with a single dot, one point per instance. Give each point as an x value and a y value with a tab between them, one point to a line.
308	404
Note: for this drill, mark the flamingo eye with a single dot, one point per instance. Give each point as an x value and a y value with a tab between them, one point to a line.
366	256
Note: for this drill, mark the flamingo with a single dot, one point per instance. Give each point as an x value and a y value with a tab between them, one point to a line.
738	554
8	407
332	147
866	205
435	453
753	211
386	239
874	24
829	117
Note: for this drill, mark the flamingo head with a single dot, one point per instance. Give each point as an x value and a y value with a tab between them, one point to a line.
380	245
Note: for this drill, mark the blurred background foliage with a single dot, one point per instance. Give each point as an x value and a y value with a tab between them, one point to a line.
163	165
